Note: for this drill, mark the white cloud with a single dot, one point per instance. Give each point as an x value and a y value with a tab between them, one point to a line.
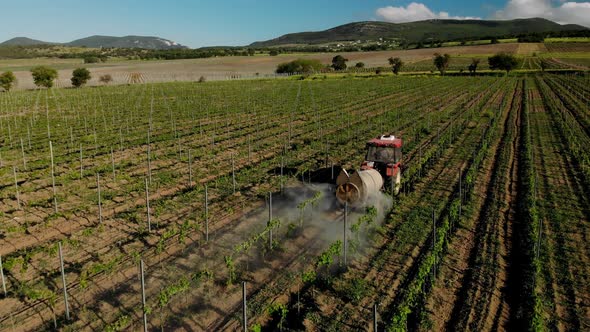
566	12
415	12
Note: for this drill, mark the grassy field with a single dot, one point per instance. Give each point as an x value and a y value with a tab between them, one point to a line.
568	40
490	230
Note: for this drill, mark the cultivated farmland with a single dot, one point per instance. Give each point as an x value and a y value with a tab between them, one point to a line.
195	188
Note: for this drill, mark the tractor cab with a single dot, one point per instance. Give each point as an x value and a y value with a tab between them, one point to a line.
384	154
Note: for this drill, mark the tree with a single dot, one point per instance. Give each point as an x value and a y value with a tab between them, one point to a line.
80	76
44	76
441	62
494	40
7	79
91	59
396	64
360	65
531	38
106	79
299	66
273	53
473	66
543	64
339	62
502	61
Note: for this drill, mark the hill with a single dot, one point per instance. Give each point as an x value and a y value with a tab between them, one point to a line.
154	43
126	42
24	41
413	32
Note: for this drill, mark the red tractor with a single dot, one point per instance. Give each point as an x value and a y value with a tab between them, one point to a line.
380	170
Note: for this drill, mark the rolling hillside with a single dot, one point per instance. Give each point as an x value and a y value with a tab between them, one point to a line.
421	30
104	41
24	41
126	42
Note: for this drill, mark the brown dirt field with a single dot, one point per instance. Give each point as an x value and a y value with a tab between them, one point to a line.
110	236
481	303
387	278
569	64
530	48
221	68
564	212
455	265
568	47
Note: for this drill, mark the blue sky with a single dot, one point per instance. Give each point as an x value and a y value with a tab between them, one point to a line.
238	22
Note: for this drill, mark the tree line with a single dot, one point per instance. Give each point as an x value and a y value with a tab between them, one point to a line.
45	76
500	61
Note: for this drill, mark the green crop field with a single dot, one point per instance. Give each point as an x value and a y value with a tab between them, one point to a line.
490	230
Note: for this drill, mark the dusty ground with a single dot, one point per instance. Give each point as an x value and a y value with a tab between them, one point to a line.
225	67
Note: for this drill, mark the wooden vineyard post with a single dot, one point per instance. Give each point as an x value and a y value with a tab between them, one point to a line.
149	162
10	137
16	188
81	165
2	277
190	170
63	280
151	109
420	161
538	244
244	307
281	178
95	142
345	224
289	140
120	139
375	317
99	198
145	323
53	177
332	167
147	205
433	244
29	136
460	192
71	138
233	173
206	214
178	141
270	220
113	164
249	150
327	152
47	115
22	149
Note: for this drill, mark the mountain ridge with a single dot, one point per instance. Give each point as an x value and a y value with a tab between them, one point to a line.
98	41
413	32
24	41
